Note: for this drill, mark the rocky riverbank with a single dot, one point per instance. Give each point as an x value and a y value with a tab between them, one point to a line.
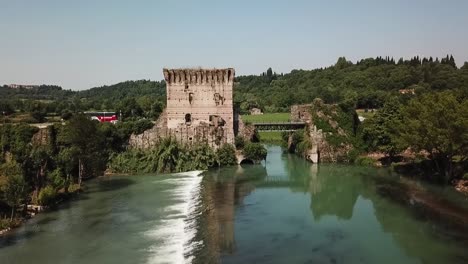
31	210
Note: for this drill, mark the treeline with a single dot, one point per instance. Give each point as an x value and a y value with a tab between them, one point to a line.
432	126
370	82
134	99
41	92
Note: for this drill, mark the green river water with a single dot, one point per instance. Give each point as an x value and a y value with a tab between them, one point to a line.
283	211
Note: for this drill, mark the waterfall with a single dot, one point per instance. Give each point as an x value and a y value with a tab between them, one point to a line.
175	233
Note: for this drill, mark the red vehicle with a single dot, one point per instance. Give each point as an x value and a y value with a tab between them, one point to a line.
102	117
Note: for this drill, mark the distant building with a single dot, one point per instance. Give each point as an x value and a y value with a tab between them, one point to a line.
407	91
256	111
24	86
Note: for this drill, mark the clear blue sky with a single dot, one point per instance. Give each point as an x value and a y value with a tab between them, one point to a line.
79	44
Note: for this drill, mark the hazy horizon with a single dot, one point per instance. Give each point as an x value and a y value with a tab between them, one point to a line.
80	45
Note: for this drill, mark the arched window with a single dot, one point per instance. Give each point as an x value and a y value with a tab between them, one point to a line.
188	119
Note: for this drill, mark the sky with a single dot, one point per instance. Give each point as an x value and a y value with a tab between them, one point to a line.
88	43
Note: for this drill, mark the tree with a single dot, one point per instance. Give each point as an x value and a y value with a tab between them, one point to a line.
15	190
451	62
269	73
67	161
436	123
83	134
226	155
342	63
37	163
255	151
465	66
378	131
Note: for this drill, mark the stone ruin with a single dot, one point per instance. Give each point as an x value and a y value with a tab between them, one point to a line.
301	113
199	109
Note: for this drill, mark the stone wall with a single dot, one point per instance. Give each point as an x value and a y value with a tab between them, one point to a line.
196	97
199	109
213	136
42	137
320	149
301	113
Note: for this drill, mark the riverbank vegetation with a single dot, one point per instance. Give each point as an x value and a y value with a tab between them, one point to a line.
44	166
171	156
426	135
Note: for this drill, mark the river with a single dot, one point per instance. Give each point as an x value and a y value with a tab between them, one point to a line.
283	211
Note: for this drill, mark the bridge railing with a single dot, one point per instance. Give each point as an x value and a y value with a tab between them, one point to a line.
280	123
279	126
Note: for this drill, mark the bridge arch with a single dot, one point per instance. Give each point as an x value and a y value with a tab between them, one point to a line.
246	161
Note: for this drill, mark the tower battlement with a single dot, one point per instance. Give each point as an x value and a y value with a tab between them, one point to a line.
198	76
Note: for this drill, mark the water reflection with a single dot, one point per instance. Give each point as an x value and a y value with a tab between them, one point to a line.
223	190
335	192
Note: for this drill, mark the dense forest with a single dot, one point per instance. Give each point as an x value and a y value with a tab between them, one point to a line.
368	83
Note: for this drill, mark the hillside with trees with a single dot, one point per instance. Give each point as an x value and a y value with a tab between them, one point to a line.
367	83
135	99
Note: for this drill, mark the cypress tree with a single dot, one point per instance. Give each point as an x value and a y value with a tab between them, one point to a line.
452	62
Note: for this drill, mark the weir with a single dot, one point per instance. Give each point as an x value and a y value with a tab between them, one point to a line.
175	233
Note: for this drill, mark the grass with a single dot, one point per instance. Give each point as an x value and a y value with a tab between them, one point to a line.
363	113
267	117
271	137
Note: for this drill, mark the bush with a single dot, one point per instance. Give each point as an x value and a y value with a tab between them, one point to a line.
353	155
465	176
239	142
72	188
364	161
255	151
66	115
168	156
9	223
142	125
57	179
226	155
38	116
47	195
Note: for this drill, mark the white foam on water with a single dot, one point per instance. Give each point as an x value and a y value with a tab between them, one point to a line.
175	233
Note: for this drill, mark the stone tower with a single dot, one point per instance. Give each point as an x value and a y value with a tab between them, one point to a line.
199	102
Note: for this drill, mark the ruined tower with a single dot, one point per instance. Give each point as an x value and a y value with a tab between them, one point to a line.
199	109
199	104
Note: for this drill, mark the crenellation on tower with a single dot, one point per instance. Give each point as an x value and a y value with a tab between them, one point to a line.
198	76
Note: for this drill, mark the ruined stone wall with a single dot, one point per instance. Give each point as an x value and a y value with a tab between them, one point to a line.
42	137
213	136
200	97
320	148
301	113
199	109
